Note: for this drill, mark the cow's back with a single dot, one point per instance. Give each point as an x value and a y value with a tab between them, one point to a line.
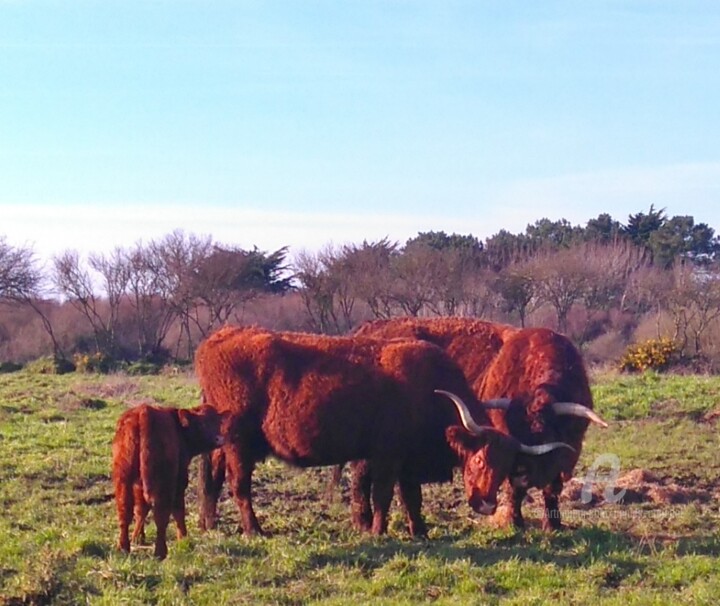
309	399
471	343
319	400
534	357
147	450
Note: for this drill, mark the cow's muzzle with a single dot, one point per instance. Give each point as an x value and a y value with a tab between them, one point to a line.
481	506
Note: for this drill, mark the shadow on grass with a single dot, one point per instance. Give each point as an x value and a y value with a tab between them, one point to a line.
708	546
574	549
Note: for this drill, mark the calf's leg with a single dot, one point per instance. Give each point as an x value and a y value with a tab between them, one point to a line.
140	512
124	504
162	519
178	511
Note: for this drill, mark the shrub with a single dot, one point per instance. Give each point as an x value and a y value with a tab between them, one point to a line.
143	368
6	367
653	354
98	362
606	348
49	365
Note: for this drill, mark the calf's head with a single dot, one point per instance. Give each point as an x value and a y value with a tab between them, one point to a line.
203	428
487	455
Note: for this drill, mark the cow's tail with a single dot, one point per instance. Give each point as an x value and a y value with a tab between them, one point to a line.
146	464
211	476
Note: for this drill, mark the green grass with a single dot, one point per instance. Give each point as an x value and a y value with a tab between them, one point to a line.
58	528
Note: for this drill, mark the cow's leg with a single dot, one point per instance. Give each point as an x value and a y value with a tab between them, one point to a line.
411	497
361	484
551	515
211	479
140	512
239	475
124	504
518	496
161	511
178	514
383	475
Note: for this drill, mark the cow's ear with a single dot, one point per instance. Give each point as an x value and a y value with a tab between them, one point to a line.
462	441
184	417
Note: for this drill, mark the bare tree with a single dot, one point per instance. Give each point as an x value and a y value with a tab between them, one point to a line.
319	290
693	304
150	302
22	281
19	273
452	276
414	278
516	289
114	272
341	283
648	290
610	267
77	284
368	266
561	279
179	259
229	277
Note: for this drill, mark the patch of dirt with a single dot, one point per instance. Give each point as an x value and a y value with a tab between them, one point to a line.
114	388
635	486
712	415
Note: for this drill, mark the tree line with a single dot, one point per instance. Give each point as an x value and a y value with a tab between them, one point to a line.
156	301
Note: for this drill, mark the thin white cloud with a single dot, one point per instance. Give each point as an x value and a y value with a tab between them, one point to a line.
689	189
50	230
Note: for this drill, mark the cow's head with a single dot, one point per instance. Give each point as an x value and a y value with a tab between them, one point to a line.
488	456
203	427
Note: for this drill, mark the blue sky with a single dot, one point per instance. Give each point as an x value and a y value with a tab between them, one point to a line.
305	123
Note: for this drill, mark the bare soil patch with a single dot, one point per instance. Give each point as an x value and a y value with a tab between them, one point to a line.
636	486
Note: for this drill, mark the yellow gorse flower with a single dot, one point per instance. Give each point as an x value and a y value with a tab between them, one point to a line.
653	354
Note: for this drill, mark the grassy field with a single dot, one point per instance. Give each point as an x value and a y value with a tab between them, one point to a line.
58	528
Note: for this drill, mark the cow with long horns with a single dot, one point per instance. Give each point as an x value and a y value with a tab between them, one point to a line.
533	383
313	400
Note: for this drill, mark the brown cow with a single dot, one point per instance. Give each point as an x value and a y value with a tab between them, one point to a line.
314	400
151	453
536	380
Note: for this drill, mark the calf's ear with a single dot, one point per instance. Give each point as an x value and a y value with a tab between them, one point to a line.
184	417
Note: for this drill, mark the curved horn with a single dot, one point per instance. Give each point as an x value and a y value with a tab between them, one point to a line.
497	403
543	448
465	416
577	410
475	429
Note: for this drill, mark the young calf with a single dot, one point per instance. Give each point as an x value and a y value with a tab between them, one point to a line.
151	453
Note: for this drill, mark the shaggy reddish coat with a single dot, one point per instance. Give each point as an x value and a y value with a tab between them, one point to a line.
151	453
535	367
316	400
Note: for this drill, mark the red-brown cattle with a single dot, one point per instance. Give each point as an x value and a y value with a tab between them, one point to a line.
151	452
536	381
314	400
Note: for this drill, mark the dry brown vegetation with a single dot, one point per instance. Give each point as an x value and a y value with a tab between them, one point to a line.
605	286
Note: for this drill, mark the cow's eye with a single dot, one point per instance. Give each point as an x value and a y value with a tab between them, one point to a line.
478	463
